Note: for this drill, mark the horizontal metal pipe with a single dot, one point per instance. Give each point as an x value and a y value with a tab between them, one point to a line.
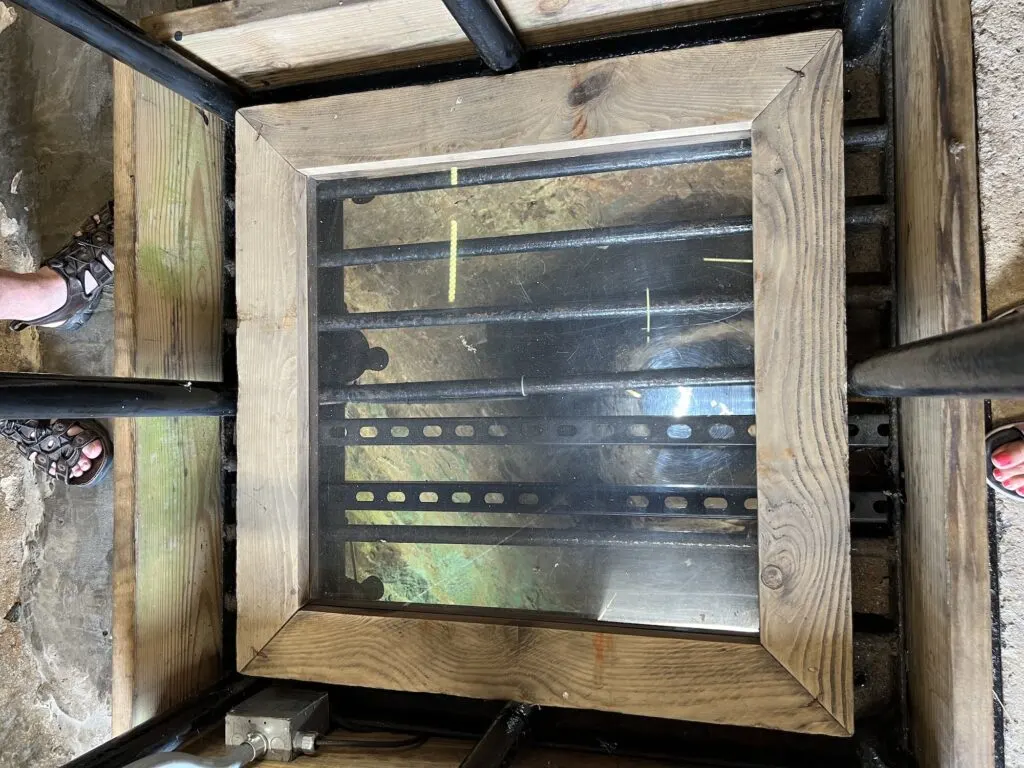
983	361
537	169
596	310
637	234
640	234
858	138
102	28
497	389
43	396
858	296
536	537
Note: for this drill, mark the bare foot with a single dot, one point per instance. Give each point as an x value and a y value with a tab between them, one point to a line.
1008	466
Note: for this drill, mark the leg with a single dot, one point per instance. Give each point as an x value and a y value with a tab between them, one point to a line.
31	296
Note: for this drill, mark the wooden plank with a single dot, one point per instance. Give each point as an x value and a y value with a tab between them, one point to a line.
566	110
559	21
661	676
280	44
123	629
800	382
167	518
273	392
270	42
946	547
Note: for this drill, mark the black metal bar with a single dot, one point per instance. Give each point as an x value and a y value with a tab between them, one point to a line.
173	728
496	389
698	307
102	28
488	30
536	537
547	499
863	21
499	744
44	396
858	138
640	234
536	169
866	430
598	501
983	361
596	310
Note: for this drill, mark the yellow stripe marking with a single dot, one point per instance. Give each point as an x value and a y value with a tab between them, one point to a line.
453	262
648	315
455	176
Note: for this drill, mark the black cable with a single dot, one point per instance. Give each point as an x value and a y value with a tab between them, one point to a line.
410	742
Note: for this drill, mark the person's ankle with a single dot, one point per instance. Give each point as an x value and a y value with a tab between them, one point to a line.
45	292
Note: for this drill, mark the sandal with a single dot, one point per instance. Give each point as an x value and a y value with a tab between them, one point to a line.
998	437
87	265
49	447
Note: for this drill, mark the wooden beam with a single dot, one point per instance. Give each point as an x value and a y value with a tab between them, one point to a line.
273	392
946	547
278	42
803	510
167	500
716	681
558	111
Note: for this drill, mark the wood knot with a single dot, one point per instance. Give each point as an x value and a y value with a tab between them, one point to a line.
771	577
590	88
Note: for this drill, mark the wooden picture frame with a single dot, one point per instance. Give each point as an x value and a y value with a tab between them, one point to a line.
785	93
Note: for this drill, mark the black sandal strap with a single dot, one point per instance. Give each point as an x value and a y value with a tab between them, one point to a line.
88	253
49	446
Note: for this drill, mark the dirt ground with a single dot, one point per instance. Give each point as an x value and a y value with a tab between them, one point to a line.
998	38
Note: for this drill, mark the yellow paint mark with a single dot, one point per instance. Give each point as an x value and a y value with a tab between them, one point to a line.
455	176
732	261
453	262
648	315
633	393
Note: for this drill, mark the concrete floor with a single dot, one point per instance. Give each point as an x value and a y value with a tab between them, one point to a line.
998	36
55	168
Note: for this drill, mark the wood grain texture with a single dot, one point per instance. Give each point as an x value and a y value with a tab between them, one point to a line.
946	547
800	382
167	512
567	110
268	44
271	288
123	566
277	42
674	677
545	22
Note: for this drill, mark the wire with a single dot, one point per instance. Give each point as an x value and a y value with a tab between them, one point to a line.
410	742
